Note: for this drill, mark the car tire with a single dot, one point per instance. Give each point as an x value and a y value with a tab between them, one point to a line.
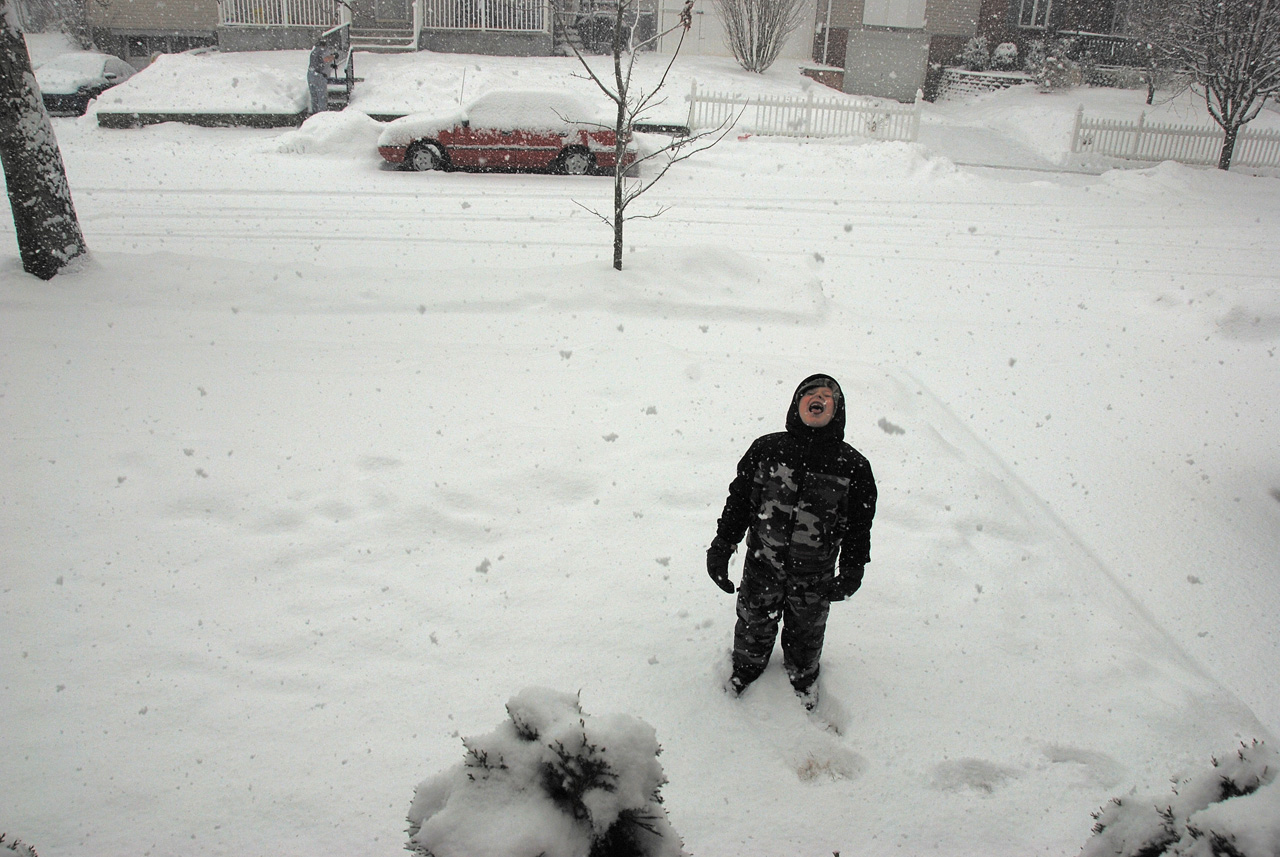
424	155
577	162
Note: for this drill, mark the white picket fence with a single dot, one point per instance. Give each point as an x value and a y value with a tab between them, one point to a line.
1187	144
279	13
805	117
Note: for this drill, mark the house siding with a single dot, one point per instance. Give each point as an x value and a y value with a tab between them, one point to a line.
886	63
953	17
846	15
150	15
706	37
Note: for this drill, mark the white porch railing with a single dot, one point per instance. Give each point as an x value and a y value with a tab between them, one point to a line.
806	117
511	15
1187	144
281	13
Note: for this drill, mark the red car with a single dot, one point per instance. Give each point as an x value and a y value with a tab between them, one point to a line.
508	130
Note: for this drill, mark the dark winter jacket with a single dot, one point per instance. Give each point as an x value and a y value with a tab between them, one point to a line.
802	496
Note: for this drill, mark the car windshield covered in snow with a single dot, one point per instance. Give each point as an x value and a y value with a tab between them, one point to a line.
69	73
508	130
68	82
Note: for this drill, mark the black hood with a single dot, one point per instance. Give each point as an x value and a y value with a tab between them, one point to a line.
832	431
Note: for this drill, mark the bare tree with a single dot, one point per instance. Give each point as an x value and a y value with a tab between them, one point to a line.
756	30
631	103
49	234
1231	49
1146	22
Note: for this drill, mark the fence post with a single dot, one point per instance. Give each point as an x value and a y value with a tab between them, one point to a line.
693	99
1075	129
1137	133
915	116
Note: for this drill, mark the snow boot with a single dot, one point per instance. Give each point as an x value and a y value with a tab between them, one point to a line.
808	696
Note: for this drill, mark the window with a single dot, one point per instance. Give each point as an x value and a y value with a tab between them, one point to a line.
1034	14
908	14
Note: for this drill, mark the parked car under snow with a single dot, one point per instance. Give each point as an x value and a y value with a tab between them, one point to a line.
68	82
508	131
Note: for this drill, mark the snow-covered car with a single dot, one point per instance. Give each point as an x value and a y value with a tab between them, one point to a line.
508	130
68	82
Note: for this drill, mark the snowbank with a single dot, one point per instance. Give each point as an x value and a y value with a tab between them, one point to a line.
206	81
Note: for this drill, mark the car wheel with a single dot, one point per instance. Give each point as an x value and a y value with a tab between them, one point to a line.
424	156
576	162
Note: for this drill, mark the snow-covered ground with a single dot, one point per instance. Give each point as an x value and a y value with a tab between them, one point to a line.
316	464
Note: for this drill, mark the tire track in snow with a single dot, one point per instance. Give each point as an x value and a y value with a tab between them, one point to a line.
542	218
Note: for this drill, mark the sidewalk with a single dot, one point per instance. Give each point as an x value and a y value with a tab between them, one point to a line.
976	146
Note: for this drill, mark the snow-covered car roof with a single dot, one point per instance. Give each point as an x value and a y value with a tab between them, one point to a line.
65	74
524	109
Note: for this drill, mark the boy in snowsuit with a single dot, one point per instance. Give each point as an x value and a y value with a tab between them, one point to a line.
802	497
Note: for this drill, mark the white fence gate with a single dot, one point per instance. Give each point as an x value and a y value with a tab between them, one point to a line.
806	117
1187	144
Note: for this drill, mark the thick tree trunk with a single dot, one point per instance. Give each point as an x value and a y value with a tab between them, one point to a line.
49	234
1228	147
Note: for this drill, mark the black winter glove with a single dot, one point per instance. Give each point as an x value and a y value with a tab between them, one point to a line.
846	584
718	562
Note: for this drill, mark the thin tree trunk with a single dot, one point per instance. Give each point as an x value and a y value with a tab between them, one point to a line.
621	83
49	234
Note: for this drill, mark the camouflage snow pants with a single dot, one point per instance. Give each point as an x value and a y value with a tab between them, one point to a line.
763	600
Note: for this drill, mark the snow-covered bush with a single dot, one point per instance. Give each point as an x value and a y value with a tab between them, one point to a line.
1051	66
1005	56
1230	810
975	56
17	846
549	781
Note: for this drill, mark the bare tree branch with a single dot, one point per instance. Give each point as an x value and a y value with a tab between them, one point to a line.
757	30
631	104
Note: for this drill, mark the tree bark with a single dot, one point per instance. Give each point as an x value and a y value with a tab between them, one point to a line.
1228	147
44	217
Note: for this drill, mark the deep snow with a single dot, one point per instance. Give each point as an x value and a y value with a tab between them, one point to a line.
316	464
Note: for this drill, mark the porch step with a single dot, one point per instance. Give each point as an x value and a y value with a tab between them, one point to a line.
383	40
565	37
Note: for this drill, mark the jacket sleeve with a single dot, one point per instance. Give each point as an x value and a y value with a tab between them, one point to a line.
738	512
855	548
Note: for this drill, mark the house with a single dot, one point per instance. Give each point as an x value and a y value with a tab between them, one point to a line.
886	46
139	29
1097	28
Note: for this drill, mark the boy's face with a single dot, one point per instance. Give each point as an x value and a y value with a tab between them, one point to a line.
817	407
